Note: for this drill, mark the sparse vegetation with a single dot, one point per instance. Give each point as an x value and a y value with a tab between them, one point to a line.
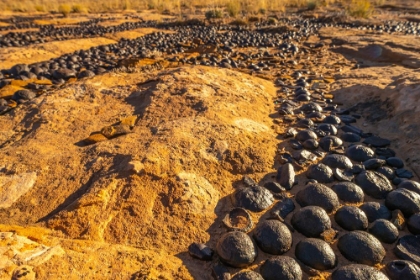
312	5
64	9
39	8
272	20
211	14
78	8
233	8
360	8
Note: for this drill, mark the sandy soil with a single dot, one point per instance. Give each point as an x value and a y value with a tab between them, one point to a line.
199	130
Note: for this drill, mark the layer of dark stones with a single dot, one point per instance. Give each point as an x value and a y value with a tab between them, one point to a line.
91	29
17	23
358	196
353	180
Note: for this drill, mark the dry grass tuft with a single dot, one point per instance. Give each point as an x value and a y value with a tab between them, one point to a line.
78	8
39	8
360	8
64	9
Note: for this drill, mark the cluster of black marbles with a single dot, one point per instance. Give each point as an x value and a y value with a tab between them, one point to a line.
349	169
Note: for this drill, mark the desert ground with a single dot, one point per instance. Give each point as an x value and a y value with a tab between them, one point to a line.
275	144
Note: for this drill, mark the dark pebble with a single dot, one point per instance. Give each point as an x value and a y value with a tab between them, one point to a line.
328	143
23	95
357	168
359	153
304	135
350	137
384	230
318	195
254	198
348	192
310	144
404	173
281	268
286	176
274	187
337	161
357	272
236	249
247	275
361	247
283	208
320	172
387	171
413	224
373	163
273	237
316	254
332	119
375	211
385	152
311	221
410	185
374	184
220	272
405	200
200	251
330	129
351	218
395	162
376	141
353	129
343	175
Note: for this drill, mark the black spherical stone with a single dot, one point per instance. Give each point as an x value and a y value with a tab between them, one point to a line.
375	211
306	134
395	162
318	195
273	237
247	275
374	184
350	137
413	224
384	230
402	270
406	201
253	198
357	272
281	268
329	142
337	161
311	221
236	249
359	153
361	247
387	171
351	218
410	185
320	172
316	253
348	192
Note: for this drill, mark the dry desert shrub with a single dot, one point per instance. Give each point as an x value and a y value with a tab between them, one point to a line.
233	8
64	9
360	8
39	8
79	8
